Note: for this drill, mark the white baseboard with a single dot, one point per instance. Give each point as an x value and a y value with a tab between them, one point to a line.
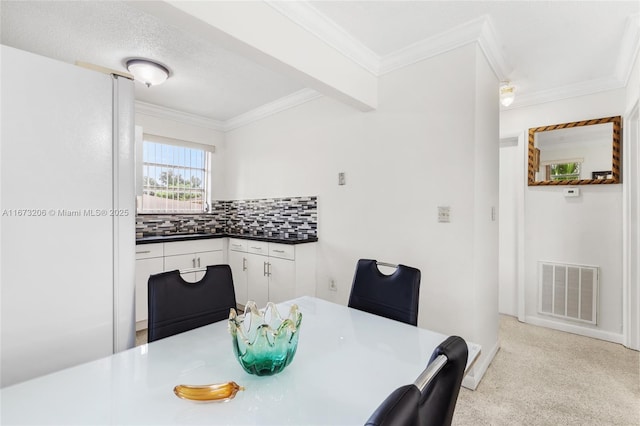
473	377
141	325
576	329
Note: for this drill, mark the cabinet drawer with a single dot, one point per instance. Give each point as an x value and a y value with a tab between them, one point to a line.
283	251
258	247
238	245
147	251
180	261
186	247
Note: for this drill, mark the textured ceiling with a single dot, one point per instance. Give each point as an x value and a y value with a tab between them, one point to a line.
548	44
205	80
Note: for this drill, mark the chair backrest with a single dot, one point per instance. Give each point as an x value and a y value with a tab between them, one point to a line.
399	409
176	306
392	296
431	400
439	396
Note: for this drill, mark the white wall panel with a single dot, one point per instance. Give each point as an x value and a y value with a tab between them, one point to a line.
57	268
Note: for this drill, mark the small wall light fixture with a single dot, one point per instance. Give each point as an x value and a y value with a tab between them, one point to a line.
148	72
507	93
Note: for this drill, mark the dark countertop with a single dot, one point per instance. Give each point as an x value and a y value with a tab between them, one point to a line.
189	237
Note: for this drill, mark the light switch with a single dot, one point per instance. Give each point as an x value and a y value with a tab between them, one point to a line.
341	179
444	214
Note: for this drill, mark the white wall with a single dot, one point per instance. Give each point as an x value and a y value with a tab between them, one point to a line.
192	133
508	215
583	230
633	85
431	142
485	210
631	207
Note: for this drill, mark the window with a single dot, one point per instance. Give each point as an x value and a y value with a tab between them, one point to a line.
562	168
175	176
563	171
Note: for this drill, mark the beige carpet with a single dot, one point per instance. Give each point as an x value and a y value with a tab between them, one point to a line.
547	377
141	337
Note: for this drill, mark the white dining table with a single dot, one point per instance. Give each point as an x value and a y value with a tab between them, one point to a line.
347	363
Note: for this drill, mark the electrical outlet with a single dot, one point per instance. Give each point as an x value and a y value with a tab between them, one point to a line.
332	285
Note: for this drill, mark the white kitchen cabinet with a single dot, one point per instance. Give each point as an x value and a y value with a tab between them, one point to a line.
262	271
185	255
257	279
149	261
159	257
207	258
282	279
273	272
238	263
258	247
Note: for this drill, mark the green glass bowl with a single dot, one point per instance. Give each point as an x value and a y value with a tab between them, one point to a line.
263	342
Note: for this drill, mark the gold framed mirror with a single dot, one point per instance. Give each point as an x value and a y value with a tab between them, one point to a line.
577	153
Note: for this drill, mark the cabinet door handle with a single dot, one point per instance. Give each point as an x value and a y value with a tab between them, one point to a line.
193	261
198	262
278	251
264	269
268	269
256	248
142	252
244	263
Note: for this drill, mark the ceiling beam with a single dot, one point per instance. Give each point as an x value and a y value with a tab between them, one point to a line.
261	33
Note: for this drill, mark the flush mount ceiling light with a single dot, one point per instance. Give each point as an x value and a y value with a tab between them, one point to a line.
148	72
507	93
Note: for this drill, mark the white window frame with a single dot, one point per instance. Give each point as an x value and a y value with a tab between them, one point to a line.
170	206
580	161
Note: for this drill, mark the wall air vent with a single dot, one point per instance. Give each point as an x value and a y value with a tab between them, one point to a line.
568	291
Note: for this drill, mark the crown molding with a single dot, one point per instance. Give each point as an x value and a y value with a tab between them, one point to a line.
492	47
479	30
629	48
286	102
183	117
565	92
290	101
309	18
432	46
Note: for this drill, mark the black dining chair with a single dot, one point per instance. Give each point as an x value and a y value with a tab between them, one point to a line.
392	296
398	409
431	399
176	305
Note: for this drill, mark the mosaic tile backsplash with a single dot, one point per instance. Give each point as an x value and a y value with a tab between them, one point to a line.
291	217
151	225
